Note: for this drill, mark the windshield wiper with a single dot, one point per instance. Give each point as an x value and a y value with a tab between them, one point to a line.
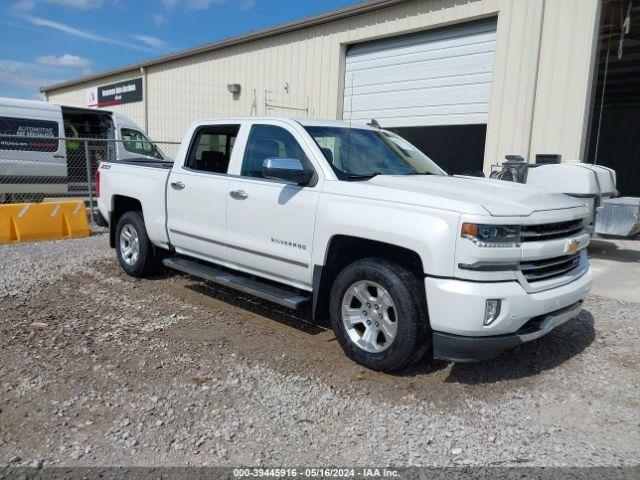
354	176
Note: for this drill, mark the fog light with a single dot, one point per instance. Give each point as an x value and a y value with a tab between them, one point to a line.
491	311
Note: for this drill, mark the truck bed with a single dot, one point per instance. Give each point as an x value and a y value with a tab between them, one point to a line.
141	179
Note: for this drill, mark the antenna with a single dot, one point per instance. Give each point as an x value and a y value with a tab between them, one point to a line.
350	123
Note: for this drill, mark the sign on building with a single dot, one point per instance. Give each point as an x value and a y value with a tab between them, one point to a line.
128	91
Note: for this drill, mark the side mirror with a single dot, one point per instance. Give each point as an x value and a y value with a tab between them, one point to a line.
290	169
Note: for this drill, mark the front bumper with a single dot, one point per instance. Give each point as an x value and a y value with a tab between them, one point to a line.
459	348
456	313
457	306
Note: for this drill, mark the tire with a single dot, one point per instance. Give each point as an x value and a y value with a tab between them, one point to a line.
138	259
396	299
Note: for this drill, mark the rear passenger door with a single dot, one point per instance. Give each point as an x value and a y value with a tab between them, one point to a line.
198	192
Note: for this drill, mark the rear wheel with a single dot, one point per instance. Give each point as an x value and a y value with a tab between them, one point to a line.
135	252
379	315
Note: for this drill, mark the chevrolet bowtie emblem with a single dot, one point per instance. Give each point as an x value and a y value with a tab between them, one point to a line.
573	246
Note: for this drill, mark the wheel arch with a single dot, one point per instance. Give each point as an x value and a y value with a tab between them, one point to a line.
120	204
345	249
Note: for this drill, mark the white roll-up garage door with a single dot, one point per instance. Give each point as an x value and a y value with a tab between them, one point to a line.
440	77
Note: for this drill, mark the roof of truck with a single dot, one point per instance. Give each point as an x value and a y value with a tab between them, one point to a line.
306	122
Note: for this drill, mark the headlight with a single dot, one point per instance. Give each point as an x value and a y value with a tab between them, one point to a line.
504	236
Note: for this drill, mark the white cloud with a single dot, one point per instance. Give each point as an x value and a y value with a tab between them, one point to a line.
43	22
190	4
247	5
202	4
23	6
23	77
78	4
151	41
181	6
14	24
66	60
159	19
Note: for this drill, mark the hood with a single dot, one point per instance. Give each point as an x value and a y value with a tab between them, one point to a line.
472	195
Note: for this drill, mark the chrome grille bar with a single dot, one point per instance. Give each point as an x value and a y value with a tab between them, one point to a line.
550	267
550	231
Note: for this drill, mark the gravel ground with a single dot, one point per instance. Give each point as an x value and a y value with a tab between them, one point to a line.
97	368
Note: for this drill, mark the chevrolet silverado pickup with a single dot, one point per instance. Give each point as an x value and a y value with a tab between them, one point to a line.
360	227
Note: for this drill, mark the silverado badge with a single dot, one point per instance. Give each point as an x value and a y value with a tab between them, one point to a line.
573	246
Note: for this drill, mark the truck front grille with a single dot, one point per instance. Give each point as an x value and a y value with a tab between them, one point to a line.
550	231
536	270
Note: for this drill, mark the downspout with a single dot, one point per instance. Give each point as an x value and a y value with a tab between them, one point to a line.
588	123
535	89
145	103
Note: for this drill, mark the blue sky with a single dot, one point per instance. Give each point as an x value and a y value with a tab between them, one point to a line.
48	41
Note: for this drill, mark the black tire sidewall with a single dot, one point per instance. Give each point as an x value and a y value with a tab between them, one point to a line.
412	339
143	265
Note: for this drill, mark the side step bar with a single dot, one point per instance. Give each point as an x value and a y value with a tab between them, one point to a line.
263	290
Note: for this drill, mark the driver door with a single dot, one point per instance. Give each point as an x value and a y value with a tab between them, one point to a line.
270	223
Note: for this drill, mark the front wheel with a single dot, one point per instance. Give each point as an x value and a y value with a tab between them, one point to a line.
379	314
134	250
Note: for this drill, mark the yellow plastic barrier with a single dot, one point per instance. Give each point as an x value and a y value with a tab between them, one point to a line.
24	222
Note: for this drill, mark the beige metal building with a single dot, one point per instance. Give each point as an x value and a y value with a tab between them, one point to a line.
467	81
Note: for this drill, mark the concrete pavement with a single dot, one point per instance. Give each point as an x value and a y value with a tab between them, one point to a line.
616	269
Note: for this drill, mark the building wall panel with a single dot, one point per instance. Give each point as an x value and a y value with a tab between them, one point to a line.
535	83
564	78
77	96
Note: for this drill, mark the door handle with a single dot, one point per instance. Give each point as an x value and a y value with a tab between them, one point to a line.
59	156
238	194
177	185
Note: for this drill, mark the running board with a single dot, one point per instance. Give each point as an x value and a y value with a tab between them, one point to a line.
260	289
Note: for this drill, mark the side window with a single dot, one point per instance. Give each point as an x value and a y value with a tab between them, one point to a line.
212	147
20	129
136	142
269	141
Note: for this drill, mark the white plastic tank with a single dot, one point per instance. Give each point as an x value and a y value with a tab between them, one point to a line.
593	183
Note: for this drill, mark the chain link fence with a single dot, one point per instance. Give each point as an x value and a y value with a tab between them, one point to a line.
37	169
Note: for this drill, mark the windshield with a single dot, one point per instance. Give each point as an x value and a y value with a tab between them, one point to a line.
359	153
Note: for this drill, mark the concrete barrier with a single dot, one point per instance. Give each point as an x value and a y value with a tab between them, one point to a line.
25	222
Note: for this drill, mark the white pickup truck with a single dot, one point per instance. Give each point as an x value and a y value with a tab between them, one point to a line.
360	227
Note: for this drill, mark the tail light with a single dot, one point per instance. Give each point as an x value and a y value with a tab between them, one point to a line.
98	182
